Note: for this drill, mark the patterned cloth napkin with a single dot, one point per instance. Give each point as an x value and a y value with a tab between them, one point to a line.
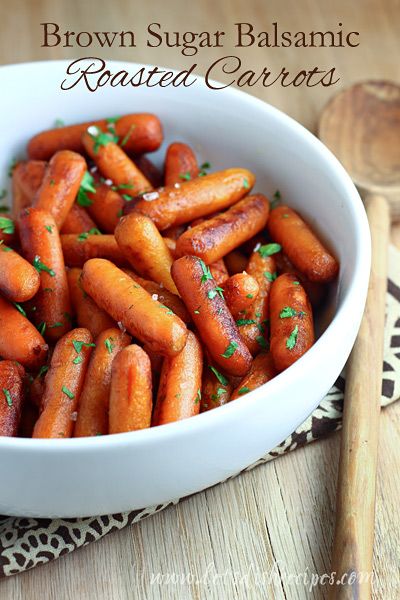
26	542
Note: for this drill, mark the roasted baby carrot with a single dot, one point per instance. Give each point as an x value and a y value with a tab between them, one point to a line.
88	314
105	206
41	246
142	245
137	133
11	397
179	393
19	339
127	302
93	405
78	249
252	322
314	290
63	385
60	184
27	177
216	389
214	238
240	292
207	307
19	280
262	370
180	164
301	245
158	292
131	399
113	163
292	329
196	198
78	221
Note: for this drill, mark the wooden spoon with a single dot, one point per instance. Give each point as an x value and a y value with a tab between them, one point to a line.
361	125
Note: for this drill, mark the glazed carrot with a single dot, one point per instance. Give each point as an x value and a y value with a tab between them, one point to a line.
93	405
149	170
78	221
292	329
253	321
179	393
301	245
88	314
131	399
60	184
142	245
19	280
314	290
106	207
219	271
41	245
7	230
141	133
214	238
262	370
210	314
180	164
216	389
127	302
78	249
113	163
27	177
240	292
196	198
19	339
172	301
63	385
11	397
236	262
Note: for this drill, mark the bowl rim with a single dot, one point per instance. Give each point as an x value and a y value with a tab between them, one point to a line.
357	290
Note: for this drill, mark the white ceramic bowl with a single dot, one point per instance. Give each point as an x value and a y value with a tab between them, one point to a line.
91	476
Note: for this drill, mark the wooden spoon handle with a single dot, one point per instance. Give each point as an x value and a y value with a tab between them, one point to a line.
355	503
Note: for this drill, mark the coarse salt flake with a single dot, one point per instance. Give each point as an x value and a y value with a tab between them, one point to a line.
150	196
154	296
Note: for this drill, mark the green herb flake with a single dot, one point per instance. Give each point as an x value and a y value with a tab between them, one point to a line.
49	228
78	345
241	322
205	165
57	324
230	350
270	276
246	184
186	176
220	392
59	123
292	339
198	396
52	182
41	327
261	341
287	312
78	359
243	390
100	138
39	266
87	185
84	236
127	197
221	378
67	392
43	370
7	395
19	308
206	271
127	136
269	249
109	345
296	282
276	200
250	296
7	225
197	311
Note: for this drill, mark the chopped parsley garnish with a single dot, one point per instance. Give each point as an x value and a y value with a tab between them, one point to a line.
169	311
52	182
276	200
287	312
270	276
241	322
203	169
67	392
292	339
230	350
198	396
221	378
7	225
269	249
84	236
111	122
59	123
122	186
7	396
186	176
57	324
220	392
246	184
78	345
243	390
109	345
100	138
296	282
49	228
127	197
41	327
78	359
249	296
206	271
87	185
127	136
19	307
43	370
261	341
39	266
212	293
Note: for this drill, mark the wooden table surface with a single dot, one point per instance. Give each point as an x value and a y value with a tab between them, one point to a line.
279	517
